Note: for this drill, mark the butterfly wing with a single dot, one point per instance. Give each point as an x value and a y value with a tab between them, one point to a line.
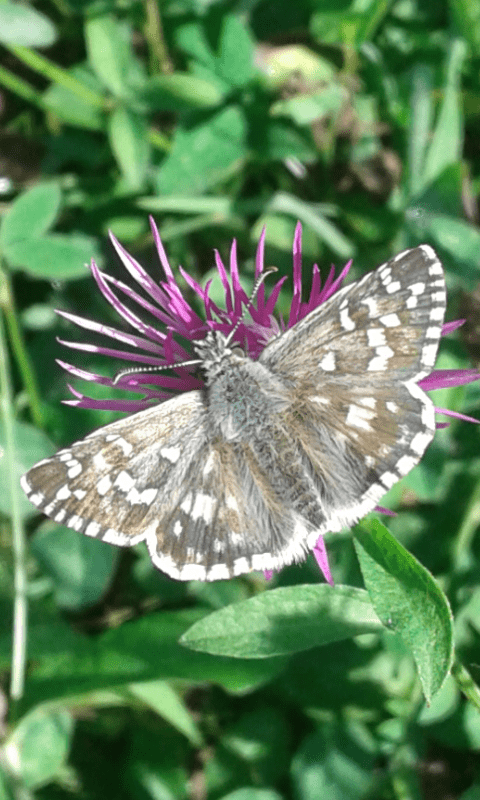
359	418
202	507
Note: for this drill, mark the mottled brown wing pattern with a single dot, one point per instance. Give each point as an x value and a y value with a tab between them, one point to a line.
387	324
204	509
354	364
106	484
228	521
332	418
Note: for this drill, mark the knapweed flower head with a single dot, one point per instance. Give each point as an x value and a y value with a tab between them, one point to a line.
157	333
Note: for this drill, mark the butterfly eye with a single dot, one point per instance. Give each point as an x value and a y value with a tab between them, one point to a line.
237	350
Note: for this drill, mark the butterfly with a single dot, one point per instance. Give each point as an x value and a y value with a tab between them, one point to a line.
247	473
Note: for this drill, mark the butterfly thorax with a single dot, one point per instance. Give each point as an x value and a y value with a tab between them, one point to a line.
241	393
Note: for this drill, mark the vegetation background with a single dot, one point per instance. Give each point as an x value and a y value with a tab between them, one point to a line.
362	120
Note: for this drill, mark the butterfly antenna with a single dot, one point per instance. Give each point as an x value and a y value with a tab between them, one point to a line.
137	370
122	373
256	287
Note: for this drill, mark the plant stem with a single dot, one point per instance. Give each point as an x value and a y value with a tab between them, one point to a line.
56	74
20	607
466	683
22	358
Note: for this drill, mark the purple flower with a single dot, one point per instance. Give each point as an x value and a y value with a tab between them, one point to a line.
151	345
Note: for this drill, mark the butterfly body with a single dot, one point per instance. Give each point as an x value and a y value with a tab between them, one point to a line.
248	472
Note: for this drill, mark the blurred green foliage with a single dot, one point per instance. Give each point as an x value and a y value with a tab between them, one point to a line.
362	120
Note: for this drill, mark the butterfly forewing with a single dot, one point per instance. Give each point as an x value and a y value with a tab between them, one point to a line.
387	324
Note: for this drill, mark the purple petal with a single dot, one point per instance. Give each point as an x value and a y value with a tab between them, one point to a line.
239	295
449	327
225	282
387	511
122	310
106	330
125	355
166	317
444	378
456	414
138	273
320	553
297	276
259	267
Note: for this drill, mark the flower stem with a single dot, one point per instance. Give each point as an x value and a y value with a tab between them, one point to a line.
20	607
463	557
21	88
153	28
22	358
466	683
57	75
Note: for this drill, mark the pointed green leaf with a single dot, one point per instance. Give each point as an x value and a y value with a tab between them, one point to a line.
129	140
235	58
408	600
165	701
110	53
284	620
447	140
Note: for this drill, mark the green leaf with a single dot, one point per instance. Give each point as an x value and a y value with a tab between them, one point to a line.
180	91
420	125
284	620
252	793
66	663
110	53
205	155
235	57
80	568
466	16
23	25
348	27
31	215
260	738
55	256
31	445
330	764
306	213
306	109
71	108
447	140
191	38
128	135
408	601
39	745
165	701
457	238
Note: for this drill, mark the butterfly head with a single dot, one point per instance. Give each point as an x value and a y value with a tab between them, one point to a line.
215	351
